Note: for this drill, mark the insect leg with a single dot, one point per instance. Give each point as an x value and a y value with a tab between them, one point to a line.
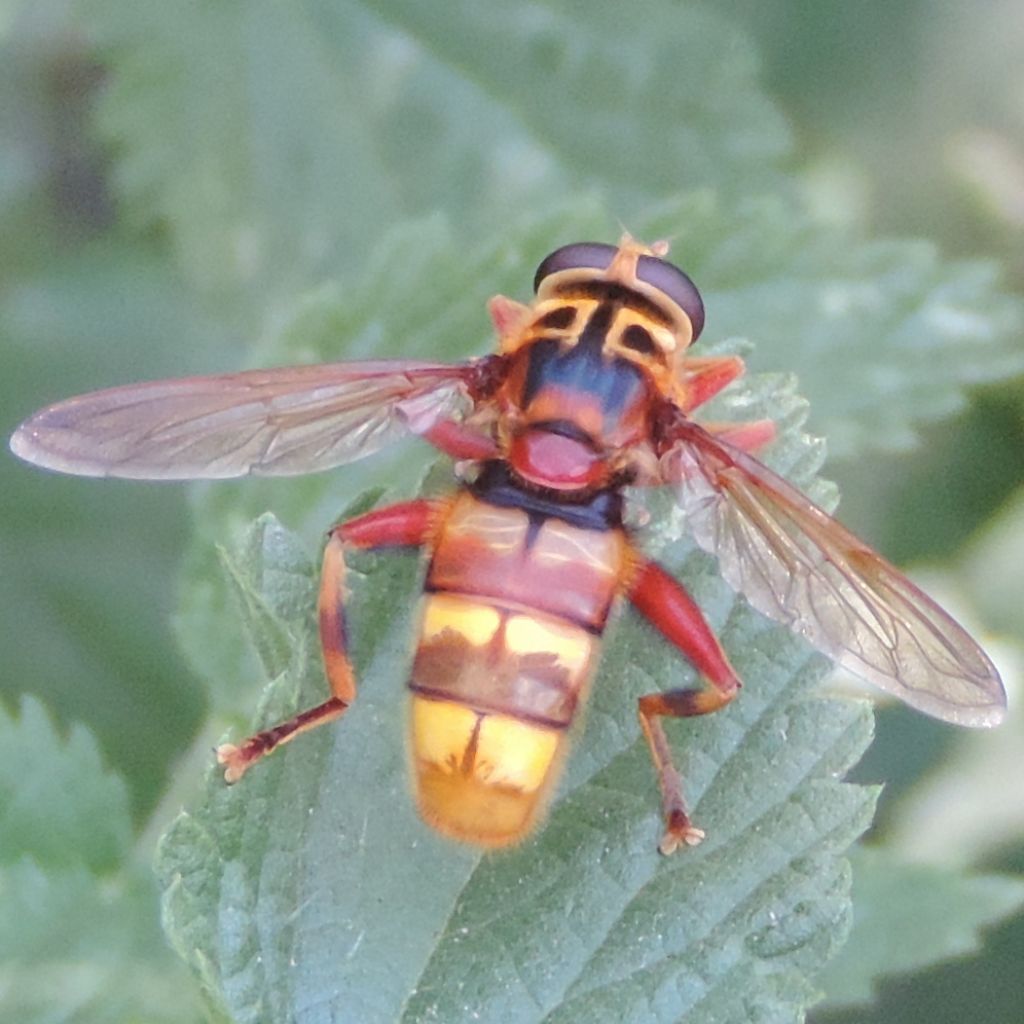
657	596
705	377
460	441
750	436
403	525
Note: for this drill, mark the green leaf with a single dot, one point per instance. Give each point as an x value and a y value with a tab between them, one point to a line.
57	802
274	601
690	72
907	916
992	563
75	950
477	109
78	935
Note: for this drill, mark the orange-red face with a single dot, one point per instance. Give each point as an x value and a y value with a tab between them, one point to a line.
604	341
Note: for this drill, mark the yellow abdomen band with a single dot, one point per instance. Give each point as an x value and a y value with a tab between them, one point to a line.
480	776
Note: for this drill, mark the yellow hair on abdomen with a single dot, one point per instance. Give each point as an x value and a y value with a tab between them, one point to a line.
480	777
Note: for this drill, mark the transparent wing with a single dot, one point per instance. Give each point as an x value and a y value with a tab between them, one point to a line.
277	422
794	563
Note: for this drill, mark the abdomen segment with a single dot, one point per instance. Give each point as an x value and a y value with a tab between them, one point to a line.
507	648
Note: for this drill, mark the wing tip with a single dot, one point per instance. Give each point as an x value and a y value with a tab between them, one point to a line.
991	710
27	443
24	444
972	716
985	717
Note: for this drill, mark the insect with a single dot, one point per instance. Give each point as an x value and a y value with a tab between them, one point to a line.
592	389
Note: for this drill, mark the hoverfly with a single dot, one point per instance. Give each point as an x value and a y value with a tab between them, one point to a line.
591	389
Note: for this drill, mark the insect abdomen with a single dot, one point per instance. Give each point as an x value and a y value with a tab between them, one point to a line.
512	622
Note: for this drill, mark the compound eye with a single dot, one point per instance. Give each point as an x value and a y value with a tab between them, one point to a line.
578	256
658	273
676	285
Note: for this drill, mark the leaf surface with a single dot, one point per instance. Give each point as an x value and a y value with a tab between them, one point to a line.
480	110
78	933
907	916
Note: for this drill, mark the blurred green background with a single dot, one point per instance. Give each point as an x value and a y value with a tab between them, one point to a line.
906	120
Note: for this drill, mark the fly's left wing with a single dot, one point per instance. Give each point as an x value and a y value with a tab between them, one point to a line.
797	565
277	422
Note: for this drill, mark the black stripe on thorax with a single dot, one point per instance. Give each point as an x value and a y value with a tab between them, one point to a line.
551	360
585	367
